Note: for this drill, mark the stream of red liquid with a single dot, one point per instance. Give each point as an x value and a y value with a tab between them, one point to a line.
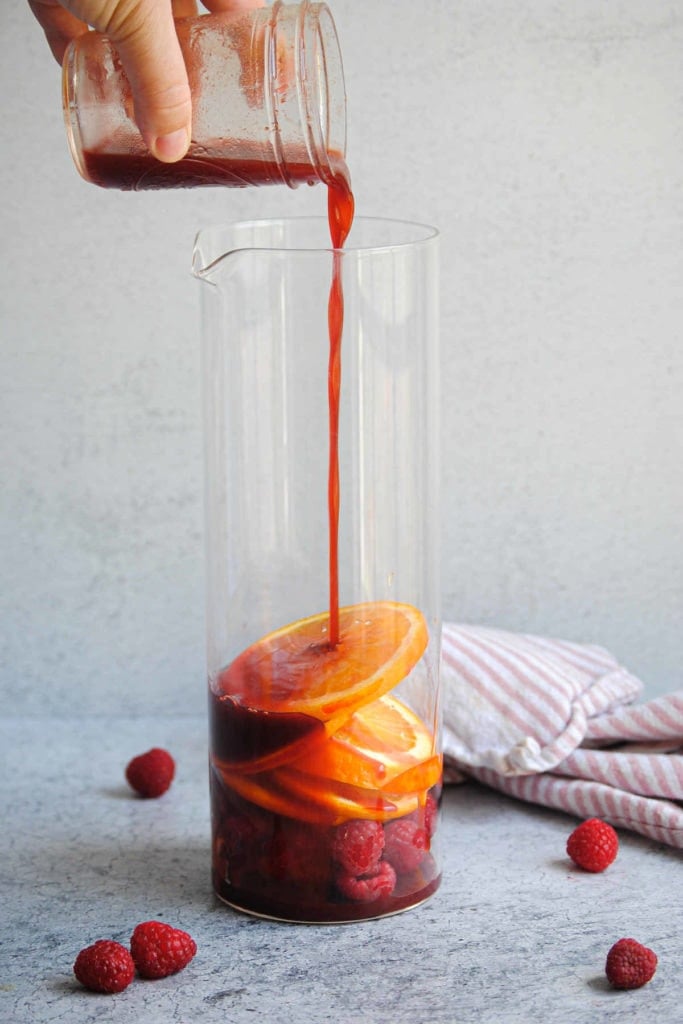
340	207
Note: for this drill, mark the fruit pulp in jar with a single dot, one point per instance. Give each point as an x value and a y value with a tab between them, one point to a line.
314	756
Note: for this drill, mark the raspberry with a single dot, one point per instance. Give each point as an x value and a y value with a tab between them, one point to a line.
629	964
299	853
105	967
241	835
159	950
369	886
593	845
405	844
427	816
431	814
357	846
151	774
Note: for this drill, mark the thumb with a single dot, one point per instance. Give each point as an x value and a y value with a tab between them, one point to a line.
144	34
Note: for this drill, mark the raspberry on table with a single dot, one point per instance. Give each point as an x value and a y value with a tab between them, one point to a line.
159	950
405	844
152	773
357	846
630	964
593	845
372	885
105	966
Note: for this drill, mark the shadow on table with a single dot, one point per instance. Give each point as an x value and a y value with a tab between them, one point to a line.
600	984
149	872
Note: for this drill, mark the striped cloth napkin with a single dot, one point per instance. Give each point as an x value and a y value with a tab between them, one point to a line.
553	723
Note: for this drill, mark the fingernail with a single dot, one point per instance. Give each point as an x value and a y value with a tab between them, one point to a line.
171	147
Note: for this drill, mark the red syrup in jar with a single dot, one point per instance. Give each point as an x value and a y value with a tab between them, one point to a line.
136	172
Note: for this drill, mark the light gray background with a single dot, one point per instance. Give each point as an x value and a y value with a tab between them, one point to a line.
545	140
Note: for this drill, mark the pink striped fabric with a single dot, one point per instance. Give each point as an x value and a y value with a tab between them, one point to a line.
529	715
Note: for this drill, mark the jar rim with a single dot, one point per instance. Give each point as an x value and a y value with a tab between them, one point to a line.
309	29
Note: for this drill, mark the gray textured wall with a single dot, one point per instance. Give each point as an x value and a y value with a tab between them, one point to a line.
545	140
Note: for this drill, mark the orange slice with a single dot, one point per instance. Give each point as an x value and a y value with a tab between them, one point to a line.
379	765
295	795
339	801
295	670
383	745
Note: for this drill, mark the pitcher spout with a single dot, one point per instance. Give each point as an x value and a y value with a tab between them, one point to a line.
217	250
213	252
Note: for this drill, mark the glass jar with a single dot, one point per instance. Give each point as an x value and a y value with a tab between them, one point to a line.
268	98
323	592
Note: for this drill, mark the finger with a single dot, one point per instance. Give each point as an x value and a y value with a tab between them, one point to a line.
58	24
146	40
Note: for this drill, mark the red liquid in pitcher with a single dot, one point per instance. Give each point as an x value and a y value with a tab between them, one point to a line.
324	787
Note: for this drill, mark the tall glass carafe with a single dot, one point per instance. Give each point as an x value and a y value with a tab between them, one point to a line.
323	591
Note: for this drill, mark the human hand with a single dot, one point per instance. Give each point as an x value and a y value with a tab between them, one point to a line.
145	38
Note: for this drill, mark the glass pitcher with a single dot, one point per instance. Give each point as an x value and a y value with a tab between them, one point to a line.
323	595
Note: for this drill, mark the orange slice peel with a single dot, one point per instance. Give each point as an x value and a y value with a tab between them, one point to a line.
318	801
296	670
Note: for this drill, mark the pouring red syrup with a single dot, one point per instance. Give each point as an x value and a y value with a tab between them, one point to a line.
340	208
